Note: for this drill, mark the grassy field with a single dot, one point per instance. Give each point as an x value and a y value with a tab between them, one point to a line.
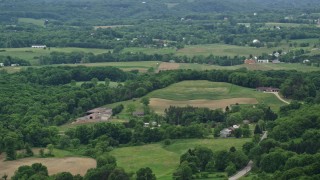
32	54
260	66
272	24
163	160
37	22
207	49
206	90
142	66
280	66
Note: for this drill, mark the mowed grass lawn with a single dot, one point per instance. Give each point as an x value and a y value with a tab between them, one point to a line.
37	22
195	90
163	160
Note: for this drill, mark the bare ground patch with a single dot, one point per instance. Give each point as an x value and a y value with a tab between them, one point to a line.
159	105
74	165
164	66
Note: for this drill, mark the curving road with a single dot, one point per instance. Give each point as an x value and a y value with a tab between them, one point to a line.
279	97
248	168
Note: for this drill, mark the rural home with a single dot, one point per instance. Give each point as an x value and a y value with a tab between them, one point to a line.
267	89
95	115
276	61
13	65
226	132
263	61
255	41
38	46
250	61
1	64
152	124
306	61
138	113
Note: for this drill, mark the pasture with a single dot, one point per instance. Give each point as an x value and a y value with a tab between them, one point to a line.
37	22
288	25
163	160
141	66
209	94
159	105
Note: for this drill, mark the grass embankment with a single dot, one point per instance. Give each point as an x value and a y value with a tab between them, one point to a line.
163	160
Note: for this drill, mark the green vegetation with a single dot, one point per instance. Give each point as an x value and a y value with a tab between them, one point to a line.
33	54
37	22
192	90
147	61
163	160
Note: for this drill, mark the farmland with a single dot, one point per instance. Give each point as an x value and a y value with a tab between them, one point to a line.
163	160
208	94
63	160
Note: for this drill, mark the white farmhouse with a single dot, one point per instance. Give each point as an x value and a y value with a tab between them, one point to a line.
38	46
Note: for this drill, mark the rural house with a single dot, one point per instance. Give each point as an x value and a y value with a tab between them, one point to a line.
263	61
38	46
250	61
226	132
267	89
138	113
95	115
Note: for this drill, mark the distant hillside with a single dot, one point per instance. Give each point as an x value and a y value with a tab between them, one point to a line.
75	11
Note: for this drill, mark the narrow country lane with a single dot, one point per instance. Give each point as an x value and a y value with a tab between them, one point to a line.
248	168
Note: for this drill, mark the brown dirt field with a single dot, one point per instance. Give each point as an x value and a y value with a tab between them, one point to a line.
74	165
159	105
168	66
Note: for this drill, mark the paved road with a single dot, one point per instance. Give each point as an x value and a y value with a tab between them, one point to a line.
248	168
243	172
279	97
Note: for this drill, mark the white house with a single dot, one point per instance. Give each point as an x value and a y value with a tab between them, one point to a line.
1	64
255	41
263	61
306	61
226	132
38	46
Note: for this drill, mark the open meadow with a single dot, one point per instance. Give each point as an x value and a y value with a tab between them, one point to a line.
37	22
141	66
208	94
163	160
